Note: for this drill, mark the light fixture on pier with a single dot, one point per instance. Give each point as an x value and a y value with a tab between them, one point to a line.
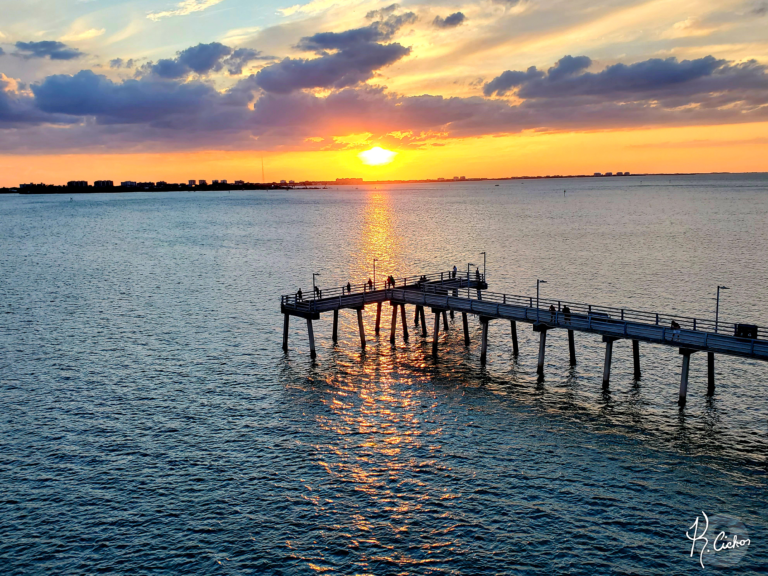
717	306
537	290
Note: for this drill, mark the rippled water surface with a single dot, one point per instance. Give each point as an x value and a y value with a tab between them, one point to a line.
150	422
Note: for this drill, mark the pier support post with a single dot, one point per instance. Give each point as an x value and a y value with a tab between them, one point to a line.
445	321
571	348
451	313
515	349
423	322
311	333
335	333
710	373
360	325
378	317
636	357
484	343
285	331
542	347
608	357
437	333
466	328
394	324
405	324
684	376
416	317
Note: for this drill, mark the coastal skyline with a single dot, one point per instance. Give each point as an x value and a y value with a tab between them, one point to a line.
155	90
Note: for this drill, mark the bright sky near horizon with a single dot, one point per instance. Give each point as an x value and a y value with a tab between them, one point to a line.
179	89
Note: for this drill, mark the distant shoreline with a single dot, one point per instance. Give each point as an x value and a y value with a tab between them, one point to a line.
317	184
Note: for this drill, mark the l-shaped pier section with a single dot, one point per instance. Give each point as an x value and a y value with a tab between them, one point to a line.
445	293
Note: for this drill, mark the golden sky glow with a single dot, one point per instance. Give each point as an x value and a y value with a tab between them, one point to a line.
343	88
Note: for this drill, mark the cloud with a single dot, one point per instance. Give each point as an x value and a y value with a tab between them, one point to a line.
455	19
86	35
760	9
154	113
383	13
120	63
203	59
358	55
46	48
184	8
2	52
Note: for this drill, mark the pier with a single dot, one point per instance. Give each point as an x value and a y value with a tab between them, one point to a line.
444	294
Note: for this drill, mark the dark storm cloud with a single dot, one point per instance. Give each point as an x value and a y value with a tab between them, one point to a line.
451	21
46	49
204	59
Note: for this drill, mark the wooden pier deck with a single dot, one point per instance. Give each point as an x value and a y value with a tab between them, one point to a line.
468	295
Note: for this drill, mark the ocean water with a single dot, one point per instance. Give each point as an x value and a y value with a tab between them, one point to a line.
151	423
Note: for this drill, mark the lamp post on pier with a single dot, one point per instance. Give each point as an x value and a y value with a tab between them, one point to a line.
468	265
483	253
717	306
537	291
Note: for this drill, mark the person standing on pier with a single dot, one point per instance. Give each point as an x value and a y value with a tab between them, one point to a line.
552	313
370	284
454	271
299	295
349	288
675	330
567	314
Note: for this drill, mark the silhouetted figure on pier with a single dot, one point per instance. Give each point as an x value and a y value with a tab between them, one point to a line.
318	294
552	313
349	288
675	330
454	272
567	314
370	284
299	295
477	274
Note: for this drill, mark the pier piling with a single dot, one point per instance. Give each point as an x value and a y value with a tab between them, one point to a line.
285	332
405	324
684	376
423	322
311	334
360	325
445	321
335	333
542	346
484	343
466	328
636	357
378	317
515	349
416	316
608	357
394	324
437	333
571	348
710	373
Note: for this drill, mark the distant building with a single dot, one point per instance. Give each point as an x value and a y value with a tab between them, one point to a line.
598	174
223	181
145	185
202	182
463	178
128	184
215	181
291	182
77	184
191	182
441	179
455	177
349	180
239	183
284	182
161	184
103	184
609	173
626	173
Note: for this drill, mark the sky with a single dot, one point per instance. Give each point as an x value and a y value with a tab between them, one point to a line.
176	90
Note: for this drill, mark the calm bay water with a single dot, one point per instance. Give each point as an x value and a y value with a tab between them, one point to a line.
150	422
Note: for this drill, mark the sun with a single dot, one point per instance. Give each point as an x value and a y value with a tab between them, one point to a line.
377	156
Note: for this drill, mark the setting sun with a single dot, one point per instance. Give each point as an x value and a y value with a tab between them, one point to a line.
377	156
